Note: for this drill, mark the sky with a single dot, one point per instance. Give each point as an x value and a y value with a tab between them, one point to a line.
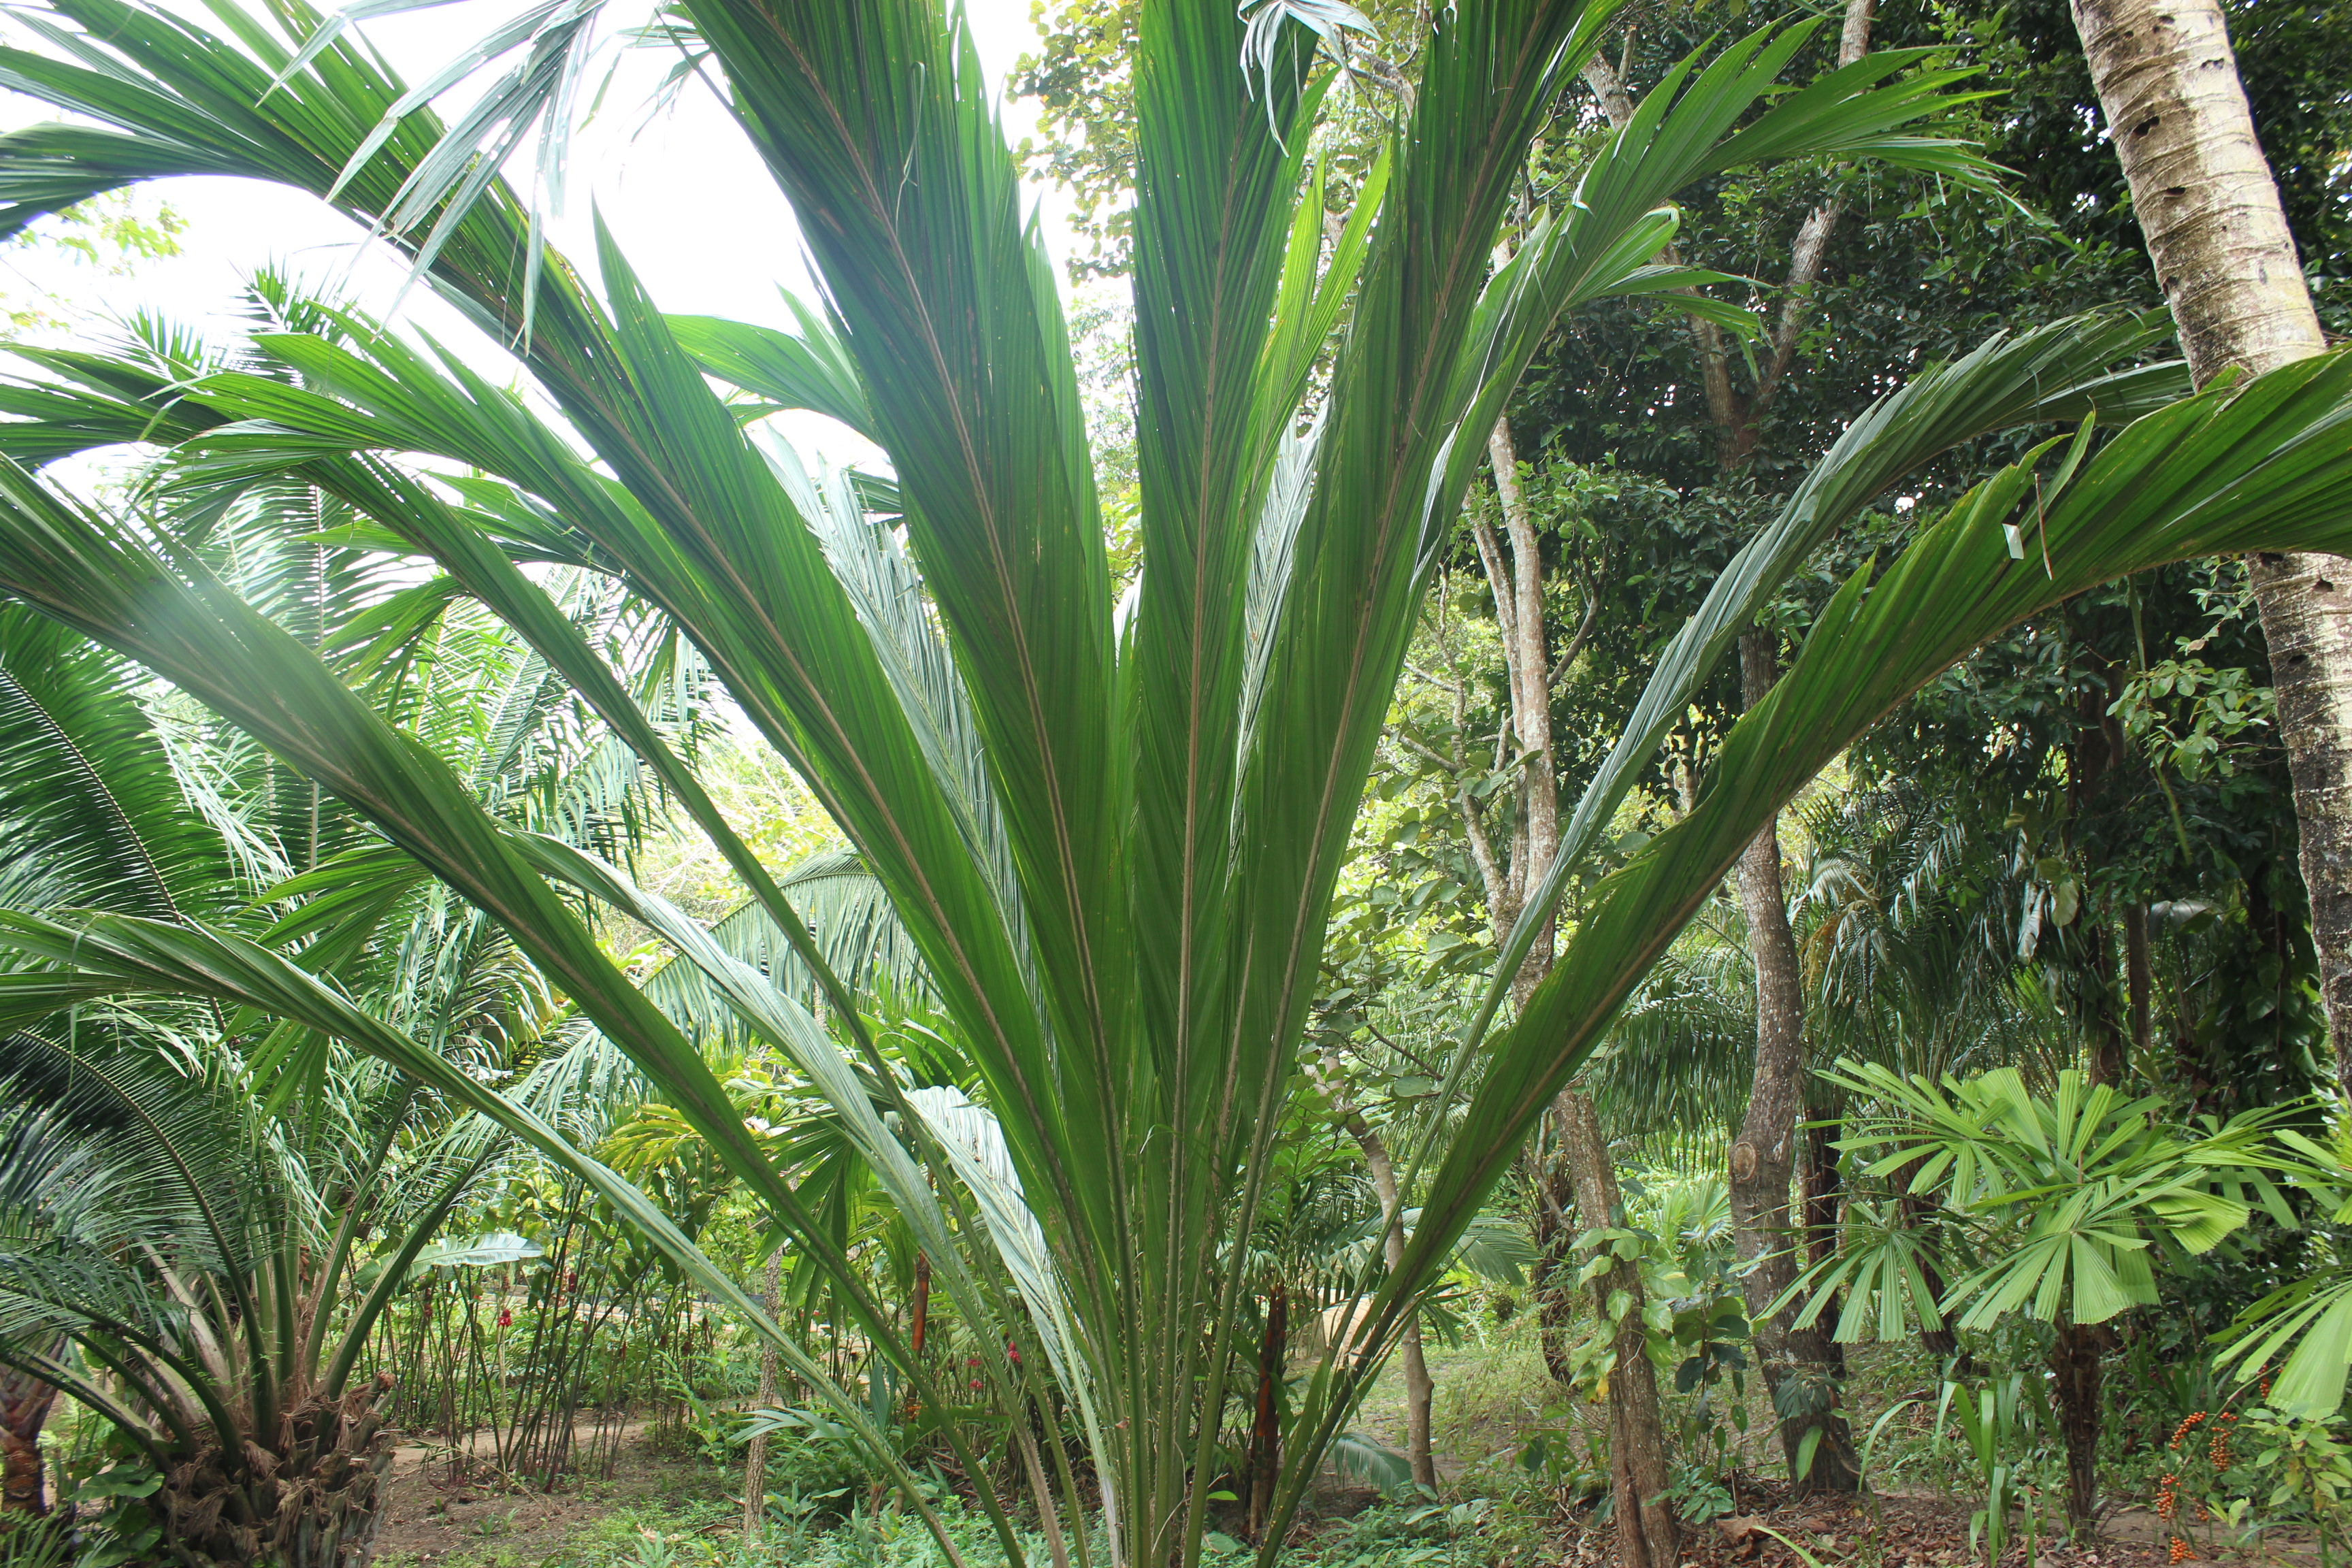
696	215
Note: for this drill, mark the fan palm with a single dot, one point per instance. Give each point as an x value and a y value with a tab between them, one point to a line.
1110	831
2066	1201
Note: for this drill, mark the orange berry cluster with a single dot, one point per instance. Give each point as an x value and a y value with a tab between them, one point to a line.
2179	1552
2167	1502
2217	1445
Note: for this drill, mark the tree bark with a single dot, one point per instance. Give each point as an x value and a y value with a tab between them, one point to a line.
1824	1194
922	1321
1516	578
1265	1433
755	1454
2138	976
25	1404
1797	1364
2167	85
2075	1368
2090	764
1648	1532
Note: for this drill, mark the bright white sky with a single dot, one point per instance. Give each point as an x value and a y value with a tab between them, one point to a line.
692	206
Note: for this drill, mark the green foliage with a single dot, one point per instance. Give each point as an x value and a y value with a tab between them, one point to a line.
1112	836
2306	1463
2065	1201
1999	1421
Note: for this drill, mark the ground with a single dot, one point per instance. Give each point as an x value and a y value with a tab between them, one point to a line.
432	1519
662	1509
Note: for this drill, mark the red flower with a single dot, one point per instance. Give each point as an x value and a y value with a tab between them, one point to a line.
506	1317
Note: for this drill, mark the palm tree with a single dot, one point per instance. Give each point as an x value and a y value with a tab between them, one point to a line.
2064	1199
188	1199
2206	203
193	1260
1111	830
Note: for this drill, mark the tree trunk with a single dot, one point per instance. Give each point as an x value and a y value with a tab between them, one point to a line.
1266	1435
1647	1530
1419	1390
2139	977
1797	1364
2168	84
1555	1266
755	1455
2076	1374
2092	761
921	1317
24	1402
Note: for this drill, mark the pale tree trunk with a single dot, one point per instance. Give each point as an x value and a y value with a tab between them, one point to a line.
1647	1530
1582	1174
1514	568
755	1455
1799	1365
2168	84
1418	1388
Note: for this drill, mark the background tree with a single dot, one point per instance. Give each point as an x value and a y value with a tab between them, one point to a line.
2205	199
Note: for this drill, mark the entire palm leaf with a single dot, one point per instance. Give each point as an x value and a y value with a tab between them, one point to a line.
1110	837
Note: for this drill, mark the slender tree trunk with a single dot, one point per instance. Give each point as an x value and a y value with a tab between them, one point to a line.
1555	1266
1797	1364
755	1455
1419	1390
1637	1427
2168	84
2075	1368
1266	1435
2097	752
1762	1159
1824	1190
25	1404
1824	1194
921	1317
2138	976
1647	1530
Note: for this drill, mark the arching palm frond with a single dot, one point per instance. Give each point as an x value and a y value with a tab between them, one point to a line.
1681	1052
92	808
856	932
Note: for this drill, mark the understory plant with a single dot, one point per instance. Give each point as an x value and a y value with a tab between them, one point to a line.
2052	1207
164	1262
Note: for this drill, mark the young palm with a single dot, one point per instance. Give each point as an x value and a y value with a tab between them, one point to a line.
150	1219
2064	1200
188	1196
1110	832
